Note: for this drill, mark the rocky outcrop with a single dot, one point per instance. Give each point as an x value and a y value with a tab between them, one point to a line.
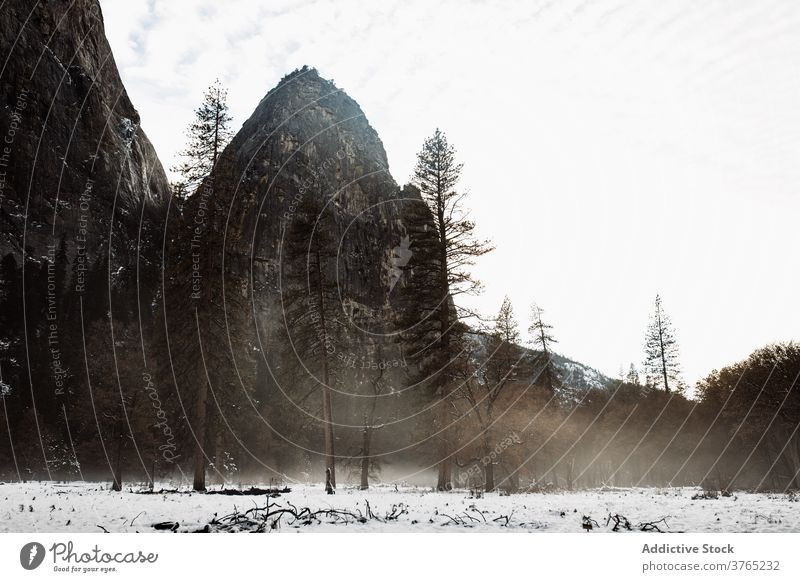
76	164
308	168
309	143
82	203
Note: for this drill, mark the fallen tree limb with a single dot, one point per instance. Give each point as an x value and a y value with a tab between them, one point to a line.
261	519
619	521
653	525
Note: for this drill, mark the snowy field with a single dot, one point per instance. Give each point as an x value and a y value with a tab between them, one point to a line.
91	507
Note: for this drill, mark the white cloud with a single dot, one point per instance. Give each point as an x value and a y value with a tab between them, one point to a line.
613	150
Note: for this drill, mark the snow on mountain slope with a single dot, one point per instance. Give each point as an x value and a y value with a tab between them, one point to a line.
576	377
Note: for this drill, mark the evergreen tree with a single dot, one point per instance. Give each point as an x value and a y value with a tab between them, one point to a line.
436	175
180	189
208	135
633	375
542	339
756	403
661	351
505	323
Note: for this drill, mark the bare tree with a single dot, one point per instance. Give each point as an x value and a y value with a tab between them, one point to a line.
482	389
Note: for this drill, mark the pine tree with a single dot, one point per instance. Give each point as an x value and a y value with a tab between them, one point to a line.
179	188
505	324
208	135
633	375
661	350
542	340
368	461
436	175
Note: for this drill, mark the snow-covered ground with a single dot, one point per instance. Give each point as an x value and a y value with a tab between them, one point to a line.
90	507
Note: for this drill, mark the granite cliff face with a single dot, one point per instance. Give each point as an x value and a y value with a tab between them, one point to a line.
82	204
73	151
311	223
309	145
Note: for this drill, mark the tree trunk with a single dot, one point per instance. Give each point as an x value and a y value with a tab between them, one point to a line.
444	480
570	473
117	484
152	481
218	453
328	486
365	458
548	377
554	476
200	438
327	409
445	466
330	452
663	355
488	469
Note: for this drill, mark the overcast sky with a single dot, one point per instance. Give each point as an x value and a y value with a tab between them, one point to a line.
612	150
